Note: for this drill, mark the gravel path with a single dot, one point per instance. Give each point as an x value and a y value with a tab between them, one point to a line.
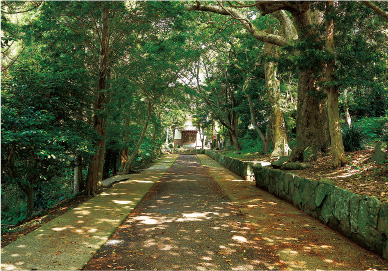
185	222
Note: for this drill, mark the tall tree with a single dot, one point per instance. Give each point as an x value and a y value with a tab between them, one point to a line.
40	135
337	147
108	32
312	136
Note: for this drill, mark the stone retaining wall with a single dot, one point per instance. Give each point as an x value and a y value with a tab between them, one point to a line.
362	219
241	168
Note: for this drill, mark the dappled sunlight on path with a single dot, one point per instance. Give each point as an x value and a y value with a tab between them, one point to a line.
185	222
300	241
69	241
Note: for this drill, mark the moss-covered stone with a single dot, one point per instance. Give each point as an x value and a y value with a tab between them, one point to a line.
382	224
327	180
363	219
297	189
341	204
322	191
271	181
368	217
294	166
354	208
308	196
278	163
380	155
326	210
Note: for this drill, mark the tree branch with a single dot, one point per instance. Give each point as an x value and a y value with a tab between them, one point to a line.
241	5
268	7
13	60
373	6
287	24
24	11
236	14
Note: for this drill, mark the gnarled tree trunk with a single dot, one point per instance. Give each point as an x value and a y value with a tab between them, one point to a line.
312	134
278	125
312	137
337	146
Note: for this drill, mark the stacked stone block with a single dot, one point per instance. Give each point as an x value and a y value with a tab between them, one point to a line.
362	219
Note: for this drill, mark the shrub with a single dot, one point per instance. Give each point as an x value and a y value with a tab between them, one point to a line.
373	128
352	138
385	132
251	145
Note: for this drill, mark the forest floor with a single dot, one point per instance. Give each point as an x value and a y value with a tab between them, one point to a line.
360	175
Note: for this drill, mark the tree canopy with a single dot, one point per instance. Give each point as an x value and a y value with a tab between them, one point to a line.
91	89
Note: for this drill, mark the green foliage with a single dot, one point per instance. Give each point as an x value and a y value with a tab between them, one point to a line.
370	102
13	210
155	46
41	134
352	138
373	128
250	143
361	59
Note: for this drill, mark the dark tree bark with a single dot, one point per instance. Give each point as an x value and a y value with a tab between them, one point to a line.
110	163
95	169
312	133
79	184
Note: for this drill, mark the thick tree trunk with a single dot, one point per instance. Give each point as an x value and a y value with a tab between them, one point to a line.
312	137
95	166
278	125
337	147
78	184
130	161
110	163
95	169
28	189
102	153
234	137
312	134
124	152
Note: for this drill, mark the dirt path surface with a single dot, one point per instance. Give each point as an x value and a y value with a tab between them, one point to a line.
188	221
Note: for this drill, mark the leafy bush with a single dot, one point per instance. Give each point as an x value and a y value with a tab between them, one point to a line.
250	145
352	138
385	132
373	128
